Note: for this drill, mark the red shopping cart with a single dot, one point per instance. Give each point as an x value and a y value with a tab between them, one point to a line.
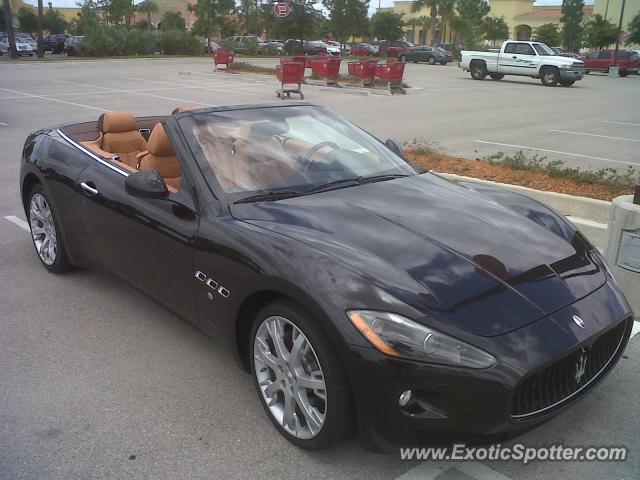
222	57
391	73
290	73
365	70
326	67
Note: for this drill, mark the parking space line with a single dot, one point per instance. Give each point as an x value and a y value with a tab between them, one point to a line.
145	94
2	124
594	135
432	470
55	100
93	92
636	328
18	221
187	85
555	151
623	123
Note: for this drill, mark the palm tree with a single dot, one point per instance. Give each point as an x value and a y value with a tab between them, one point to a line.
148	7
432	5
424	23
39	28
413	23
446	9
8	20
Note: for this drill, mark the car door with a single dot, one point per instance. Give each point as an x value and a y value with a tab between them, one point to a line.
519	59
148	242
604	60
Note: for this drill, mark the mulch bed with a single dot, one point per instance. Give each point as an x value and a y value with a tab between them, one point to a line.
526	178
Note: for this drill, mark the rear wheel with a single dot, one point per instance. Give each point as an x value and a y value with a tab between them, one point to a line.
45	232
478	70
298	376
443	63
496	76
623	73
567	83
549	76
432	60
403	58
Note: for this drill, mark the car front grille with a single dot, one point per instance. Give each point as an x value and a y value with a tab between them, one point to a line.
577	66
564	379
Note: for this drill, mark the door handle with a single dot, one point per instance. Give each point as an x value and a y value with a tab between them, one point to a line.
89	188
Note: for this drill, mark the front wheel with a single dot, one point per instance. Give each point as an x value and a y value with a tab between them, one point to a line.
432	60
443	63
549	77
567	83
496	76
45	232
478	71
623	73
402	58
299	378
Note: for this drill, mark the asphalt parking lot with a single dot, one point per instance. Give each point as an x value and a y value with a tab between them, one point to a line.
97	381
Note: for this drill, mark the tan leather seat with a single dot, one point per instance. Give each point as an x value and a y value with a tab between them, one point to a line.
121	136
161	157
259	160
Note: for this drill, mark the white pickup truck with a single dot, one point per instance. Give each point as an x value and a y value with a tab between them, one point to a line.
529	59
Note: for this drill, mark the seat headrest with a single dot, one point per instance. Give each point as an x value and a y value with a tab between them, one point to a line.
158	143
259	132
186	108
117	122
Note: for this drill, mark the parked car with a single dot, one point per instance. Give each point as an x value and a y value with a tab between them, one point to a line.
54	43
314	48
376	47
333	48
561	52
26	38
394	49
363	49
72	44
342	278
242	43
602	60
24	48
529	59
426	53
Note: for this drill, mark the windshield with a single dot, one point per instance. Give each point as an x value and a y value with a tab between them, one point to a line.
301	148
542	49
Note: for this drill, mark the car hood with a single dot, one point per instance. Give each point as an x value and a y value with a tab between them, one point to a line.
442	248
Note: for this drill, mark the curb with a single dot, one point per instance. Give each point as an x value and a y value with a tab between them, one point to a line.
589	209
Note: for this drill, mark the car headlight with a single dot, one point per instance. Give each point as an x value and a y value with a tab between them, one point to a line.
397	336
566	67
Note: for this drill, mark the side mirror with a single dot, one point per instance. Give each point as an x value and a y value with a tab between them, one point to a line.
147	184
395	147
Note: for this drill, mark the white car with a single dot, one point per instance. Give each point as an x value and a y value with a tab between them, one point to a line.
333	48
529	59
23	47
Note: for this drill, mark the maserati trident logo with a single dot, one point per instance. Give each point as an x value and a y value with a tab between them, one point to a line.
578	321
581	365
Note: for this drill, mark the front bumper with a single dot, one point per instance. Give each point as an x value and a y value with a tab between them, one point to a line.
453	404
573	74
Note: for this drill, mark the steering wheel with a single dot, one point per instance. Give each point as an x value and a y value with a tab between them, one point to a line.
308	157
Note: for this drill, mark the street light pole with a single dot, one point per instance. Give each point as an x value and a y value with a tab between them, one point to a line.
615	53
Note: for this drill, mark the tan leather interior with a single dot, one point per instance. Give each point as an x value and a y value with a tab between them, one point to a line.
187	108
121	136
161	157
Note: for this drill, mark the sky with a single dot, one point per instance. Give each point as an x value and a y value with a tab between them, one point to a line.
373	4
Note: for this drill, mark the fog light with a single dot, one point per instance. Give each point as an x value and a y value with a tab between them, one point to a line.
405	398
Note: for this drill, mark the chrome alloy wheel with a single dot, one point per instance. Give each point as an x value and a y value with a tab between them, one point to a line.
43	229
290	377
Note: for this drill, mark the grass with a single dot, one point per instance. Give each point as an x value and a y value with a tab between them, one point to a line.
423	146
558	169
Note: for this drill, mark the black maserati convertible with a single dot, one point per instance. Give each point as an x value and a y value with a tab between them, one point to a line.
358	290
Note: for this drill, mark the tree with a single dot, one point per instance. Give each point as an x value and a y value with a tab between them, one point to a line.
549	34
387	26
147	7
413	23
88	19
634	30
8	25
172	21
495	29
249	15
39	28
446	9
572	28
119	11
2	29
469	22
27	19
314	22
432	6
54	22
210	15
347	18
600	33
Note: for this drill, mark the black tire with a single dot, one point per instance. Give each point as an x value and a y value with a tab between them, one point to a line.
61	263
432	60
623	73
414	61
478	70
403	58
496	76
567	83
338	421
443	63
549	76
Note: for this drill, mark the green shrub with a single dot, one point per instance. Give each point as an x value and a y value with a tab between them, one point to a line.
178	42
115	41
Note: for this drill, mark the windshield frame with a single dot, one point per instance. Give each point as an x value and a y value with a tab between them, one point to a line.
229	198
